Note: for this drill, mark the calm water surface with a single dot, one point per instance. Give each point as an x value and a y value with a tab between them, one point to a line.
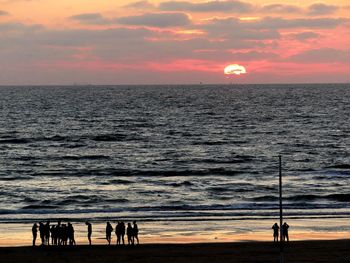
174	153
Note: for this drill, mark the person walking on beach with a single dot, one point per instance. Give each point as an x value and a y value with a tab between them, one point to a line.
135	233
129	233
109	230
89	231
285	235
34	232
275	228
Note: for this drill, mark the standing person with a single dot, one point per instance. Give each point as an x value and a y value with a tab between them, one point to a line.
47	233
135	233
129	233
42	232
64	234
58	230
109	230
275	228
122	232
117	233
285	235
71	234
53	234
89	231
34	232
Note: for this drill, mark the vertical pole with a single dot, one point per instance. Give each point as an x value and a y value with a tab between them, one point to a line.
281	211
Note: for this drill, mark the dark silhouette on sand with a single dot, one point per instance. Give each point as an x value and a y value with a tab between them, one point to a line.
70	231
53	235
63	234
109	230
129	233
47	233
135	233
89	231
275	228
58	233
284	230
34	232
42	232
120	233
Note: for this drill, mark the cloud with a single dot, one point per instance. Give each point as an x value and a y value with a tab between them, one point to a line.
322	55
141	5
19	27
280	8
3	13
156	20
235	29
321	9
90	18
282	23
210	6
305	35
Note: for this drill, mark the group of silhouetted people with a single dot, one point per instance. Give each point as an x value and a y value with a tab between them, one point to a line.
132	233
63	235
284	232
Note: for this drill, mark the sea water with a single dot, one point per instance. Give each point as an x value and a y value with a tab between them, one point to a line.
181	154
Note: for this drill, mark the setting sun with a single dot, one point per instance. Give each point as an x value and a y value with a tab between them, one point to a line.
235	69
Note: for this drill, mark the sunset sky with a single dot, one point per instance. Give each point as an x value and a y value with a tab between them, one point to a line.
170	42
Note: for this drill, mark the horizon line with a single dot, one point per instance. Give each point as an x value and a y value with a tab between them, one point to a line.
172	84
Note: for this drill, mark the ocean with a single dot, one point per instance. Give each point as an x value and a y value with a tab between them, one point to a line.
186	153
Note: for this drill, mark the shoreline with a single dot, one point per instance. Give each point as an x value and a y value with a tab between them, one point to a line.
295	251
15	235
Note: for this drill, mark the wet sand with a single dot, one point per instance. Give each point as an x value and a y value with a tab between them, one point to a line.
298	251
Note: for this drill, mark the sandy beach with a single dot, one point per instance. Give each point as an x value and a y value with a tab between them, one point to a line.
298	251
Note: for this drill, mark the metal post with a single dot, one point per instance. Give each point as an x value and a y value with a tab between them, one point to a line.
281	211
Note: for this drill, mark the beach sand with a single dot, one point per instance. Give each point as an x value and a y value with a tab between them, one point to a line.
297	251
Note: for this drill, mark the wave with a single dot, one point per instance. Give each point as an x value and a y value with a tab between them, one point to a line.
339	166
141	173
15	141
120	181
71	138
84	157
306	197
179	184
39	207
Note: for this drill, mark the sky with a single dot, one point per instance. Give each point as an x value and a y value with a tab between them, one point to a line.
173	42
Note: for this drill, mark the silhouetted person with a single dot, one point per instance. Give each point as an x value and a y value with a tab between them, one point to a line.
64	234
70	231
58	233
42	232
135	233
117	233
34	232
275	228
53	235
122	232
129	233
285	235
47	233
109	230
89	231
